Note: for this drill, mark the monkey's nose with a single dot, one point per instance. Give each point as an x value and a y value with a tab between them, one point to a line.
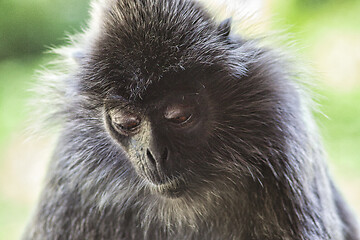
157	160
156	164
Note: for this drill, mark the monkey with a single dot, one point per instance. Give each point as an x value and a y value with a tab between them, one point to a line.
174	127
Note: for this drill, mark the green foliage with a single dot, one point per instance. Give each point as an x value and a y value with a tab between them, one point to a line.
340	127
311	4
13	217
305	18
26	27
16	77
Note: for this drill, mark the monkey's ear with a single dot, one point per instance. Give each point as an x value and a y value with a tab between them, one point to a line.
225	27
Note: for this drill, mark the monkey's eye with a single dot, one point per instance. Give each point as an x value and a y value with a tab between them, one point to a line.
125	123
178	115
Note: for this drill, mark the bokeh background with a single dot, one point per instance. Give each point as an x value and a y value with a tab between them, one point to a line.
327	33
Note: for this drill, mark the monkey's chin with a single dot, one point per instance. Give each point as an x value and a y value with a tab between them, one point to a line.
171	189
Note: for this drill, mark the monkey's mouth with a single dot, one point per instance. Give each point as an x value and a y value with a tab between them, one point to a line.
172	188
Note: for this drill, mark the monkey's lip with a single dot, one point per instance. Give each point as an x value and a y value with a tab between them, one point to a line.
172	188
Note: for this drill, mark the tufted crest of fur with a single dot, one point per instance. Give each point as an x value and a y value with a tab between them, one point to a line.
261	173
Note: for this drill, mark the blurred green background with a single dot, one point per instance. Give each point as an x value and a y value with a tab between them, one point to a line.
328	32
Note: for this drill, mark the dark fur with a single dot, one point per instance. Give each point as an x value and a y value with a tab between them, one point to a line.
257	170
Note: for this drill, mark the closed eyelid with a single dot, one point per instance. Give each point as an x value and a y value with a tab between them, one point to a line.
173	112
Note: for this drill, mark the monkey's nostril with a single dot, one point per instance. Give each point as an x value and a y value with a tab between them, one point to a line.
163	160
164	155
150	157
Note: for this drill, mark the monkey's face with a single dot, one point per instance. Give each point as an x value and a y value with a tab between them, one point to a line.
164	134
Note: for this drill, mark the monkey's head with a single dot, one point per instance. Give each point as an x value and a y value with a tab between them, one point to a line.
151	67
190	106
